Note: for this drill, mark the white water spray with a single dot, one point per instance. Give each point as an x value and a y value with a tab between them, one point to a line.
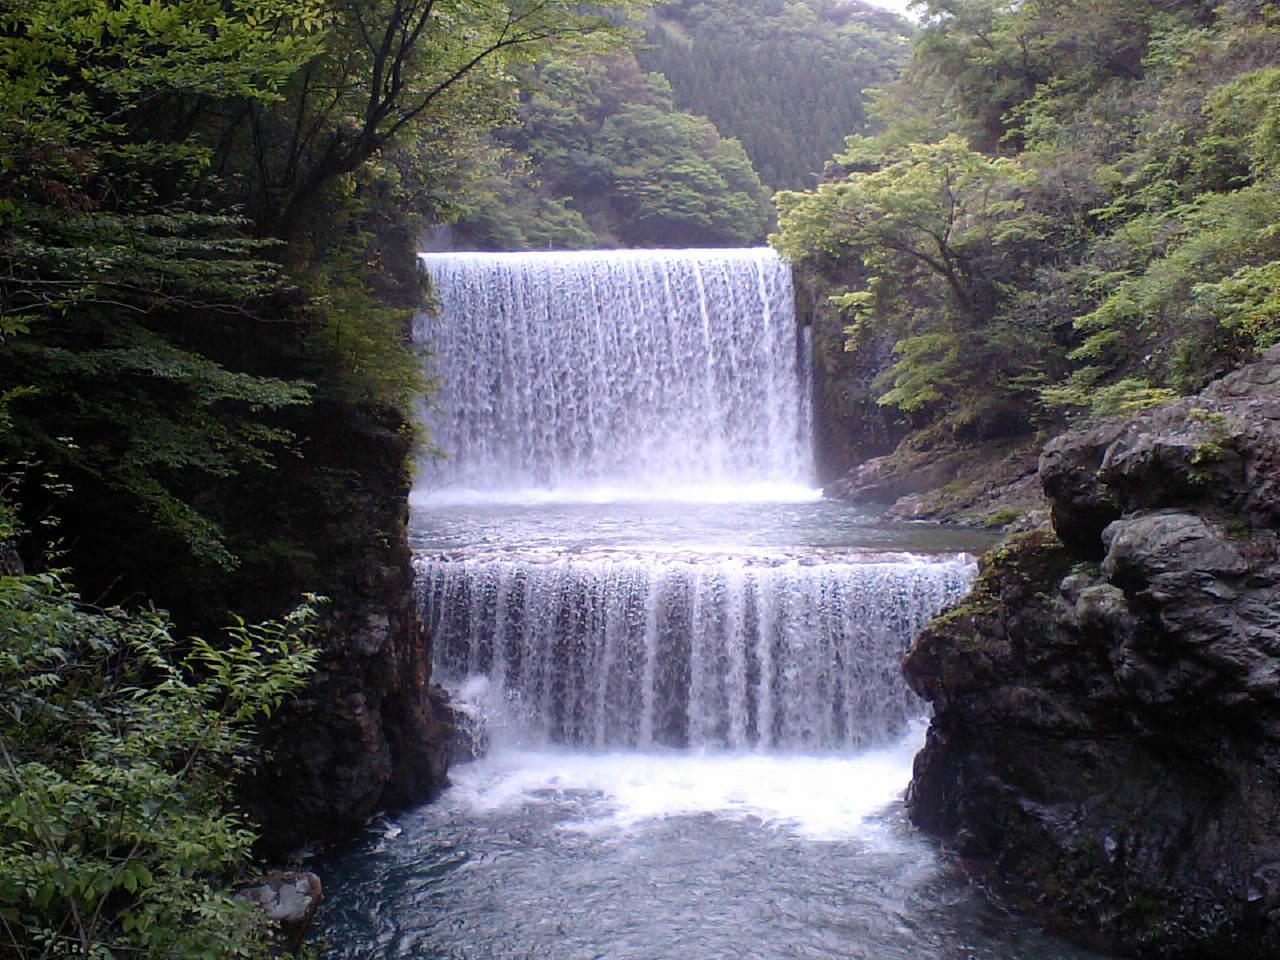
724	653
617	374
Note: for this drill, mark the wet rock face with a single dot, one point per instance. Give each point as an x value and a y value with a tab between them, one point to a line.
1107	728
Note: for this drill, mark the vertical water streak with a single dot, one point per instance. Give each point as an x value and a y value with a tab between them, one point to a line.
653	370
706	654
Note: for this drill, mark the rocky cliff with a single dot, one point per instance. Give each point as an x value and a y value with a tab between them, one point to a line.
1106	738
367	733
849	425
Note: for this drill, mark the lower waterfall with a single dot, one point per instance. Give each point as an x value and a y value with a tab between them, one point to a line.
712	653
695	747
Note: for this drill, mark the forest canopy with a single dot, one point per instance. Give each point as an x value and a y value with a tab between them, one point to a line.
209	213
785	77
679	141
1068	210
1044	210
599	156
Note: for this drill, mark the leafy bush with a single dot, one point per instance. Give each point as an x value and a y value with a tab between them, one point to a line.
118	750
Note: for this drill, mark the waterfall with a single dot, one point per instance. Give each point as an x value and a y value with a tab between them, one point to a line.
662	374
683	701
635	652
651	371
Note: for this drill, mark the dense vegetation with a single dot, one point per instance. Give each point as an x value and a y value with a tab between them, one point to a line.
679	141
119	752
209	216
209	210
599	156
1069	211
785	77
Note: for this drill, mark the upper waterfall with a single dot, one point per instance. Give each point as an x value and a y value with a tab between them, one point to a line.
642	373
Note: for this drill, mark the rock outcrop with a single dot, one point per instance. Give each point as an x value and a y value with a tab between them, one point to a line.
1106	737
289	900
992	484
368	732
849	426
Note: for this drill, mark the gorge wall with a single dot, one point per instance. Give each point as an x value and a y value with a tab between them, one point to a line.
367	733
1107	701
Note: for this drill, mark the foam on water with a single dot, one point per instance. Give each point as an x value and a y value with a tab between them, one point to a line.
761	492
818	797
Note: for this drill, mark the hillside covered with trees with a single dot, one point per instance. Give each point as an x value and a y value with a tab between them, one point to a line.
1068	211
598	156
679	141
785	77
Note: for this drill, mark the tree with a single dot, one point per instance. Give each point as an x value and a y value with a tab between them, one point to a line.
119	749
943	236
785	79
105	264
1070	209
390	68
612	162
678	183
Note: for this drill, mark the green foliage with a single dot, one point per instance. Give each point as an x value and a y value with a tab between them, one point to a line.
1098	399
87	85
1248	301
783	77
365	340
611	162
393	70
940	234
678	183
939	210
500	203
621	156
171	172
1205	302
1071	209
106	266
118	751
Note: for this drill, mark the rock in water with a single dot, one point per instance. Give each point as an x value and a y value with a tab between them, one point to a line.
288	899
1107	701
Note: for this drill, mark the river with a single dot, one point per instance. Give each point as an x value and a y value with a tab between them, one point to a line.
678	663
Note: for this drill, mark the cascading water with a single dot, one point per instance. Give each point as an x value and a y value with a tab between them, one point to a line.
645	371
697	723
631	653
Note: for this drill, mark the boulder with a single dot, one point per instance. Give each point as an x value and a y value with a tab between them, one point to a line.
289	900
1106	735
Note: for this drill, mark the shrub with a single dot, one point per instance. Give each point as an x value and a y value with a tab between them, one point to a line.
119	748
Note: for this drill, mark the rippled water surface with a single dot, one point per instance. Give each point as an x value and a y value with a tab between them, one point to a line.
804	525
644	852
573	856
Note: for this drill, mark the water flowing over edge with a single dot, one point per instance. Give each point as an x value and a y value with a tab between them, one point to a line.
608	653
616	375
